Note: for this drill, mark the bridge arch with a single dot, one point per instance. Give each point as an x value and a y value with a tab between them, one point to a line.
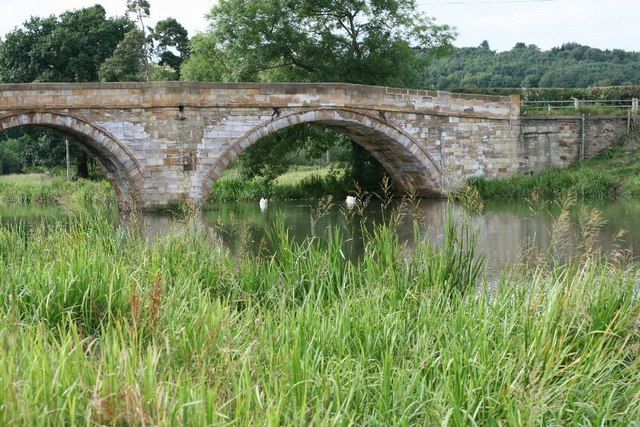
408	164
119	165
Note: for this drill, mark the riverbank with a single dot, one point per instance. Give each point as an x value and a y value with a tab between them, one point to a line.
613	175
102	327
302	183
42	189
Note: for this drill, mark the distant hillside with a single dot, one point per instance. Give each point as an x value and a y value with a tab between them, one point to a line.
571	65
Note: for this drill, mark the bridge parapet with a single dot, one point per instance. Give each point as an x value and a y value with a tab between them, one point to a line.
39	96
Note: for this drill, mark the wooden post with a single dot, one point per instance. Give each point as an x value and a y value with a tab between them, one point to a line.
66	143
582	150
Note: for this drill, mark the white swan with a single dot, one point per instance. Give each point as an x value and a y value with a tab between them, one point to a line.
351	201
264	203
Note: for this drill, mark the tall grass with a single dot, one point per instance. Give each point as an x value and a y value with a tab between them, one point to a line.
99	326
39	189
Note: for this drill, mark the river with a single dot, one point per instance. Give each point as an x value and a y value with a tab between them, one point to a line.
505	232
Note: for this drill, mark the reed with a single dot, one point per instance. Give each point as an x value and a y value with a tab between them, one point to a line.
98	326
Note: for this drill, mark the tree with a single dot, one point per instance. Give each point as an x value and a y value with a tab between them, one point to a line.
570	65
377	42
66	48
356	41
141	9
171	44
127	62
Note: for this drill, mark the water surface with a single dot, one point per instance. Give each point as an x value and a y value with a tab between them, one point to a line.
505	231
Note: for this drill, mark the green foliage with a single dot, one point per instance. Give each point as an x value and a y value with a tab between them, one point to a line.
127	62
101	326
171	44
140	8
206	63
276	153
357	41
569	66
26	149
66	48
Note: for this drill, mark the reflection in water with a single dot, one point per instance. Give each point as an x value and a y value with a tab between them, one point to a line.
504	230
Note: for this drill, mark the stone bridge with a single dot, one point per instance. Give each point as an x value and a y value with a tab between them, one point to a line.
167	142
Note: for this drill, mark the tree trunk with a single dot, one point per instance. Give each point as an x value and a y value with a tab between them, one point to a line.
82	165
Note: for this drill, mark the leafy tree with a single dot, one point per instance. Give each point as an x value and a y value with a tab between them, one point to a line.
127	62
172	44
141	9
276	153
24	151
68	48
356	41
206	62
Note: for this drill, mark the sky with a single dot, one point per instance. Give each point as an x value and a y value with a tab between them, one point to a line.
610	24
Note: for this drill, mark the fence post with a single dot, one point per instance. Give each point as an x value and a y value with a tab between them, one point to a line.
583	138
67	158
634	106
576	103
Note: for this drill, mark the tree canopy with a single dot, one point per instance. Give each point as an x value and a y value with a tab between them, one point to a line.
357	41
127	62
66	48
571	65
171	44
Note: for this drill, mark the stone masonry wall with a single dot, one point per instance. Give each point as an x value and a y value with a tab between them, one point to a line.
180	136
556	142
165	143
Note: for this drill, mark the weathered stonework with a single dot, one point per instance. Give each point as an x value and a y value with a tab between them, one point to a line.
163	143
556	142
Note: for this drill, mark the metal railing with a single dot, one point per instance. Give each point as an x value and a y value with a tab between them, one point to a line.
581	106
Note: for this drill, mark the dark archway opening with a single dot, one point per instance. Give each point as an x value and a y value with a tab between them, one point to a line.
35	149
299	162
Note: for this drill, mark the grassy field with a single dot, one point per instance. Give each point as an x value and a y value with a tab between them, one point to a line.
614	174
40	189
97	326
